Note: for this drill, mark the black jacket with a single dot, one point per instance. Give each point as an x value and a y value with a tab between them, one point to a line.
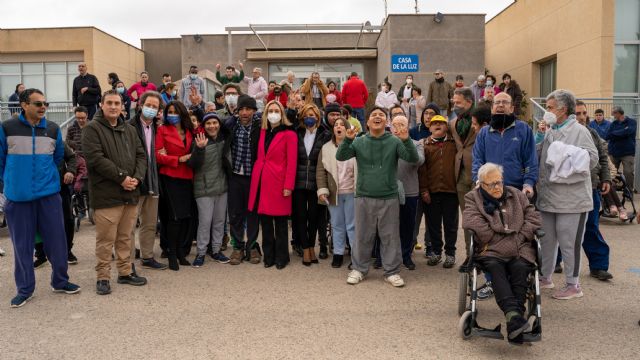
91	96
150	185
306	169
232	124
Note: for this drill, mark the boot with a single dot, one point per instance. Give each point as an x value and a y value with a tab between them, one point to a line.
312	255
306	257
337	261
173	262
323	252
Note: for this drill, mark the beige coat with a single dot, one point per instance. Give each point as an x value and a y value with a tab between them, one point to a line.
327	173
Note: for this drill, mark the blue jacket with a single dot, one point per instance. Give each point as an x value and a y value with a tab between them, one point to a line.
29	158
514	150
600	128
419	132
621	136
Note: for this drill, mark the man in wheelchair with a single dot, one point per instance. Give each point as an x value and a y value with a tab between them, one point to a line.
503	222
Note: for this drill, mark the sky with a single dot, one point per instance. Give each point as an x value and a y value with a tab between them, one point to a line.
132	20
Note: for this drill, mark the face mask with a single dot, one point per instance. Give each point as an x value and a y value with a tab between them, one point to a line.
143	83
231	100
501	121
193	76
120	90
458	110
550	118
174	93
273	118
309	121
149	113
409	81
489	82
172	119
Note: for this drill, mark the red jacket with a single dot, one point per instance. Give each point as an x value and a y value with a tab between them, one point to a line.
338	95
167	138
274	171
354	92
282	98
139	90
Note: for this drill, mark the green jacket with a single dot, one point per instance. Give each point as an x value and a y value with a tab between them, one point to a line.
211	166
235	79
377	161
112	154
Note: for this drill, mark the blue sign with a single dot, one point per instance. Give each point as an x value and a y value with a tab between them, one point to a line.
404	63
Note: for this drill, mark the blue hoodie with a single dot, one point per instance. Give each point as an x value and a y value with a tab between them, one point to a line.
621	136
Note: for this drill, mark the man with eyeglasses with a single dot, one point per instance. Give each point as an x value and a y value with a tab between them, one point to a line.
189	83
31	149
86	90
510	143
231	93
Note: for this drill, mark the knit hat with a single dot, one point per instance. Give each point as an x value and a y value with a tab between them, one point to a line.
210	115
433	107
246	101
332	107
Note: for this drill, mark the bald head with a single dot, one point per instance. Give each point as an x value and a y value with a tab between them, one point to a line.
502	104
399	123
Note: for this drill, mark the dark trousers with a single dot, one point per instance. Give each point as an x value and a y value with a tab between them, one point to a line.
69	223
306	211
275	245
239	214
443	212
509	281
594	245
323	223
91	109
407	224
177	234
421	212
24	219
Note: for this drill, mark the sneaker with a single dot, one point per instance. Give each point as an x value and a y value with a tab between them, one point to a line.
355	277
236	257
546	283
38	263
558	269
569	291
20	300
409	264
486	291
395	280
221	258
153	264
601	275
449	262
72	259
132	279
434	260
516	326
198	261
255	256
613	210
103	287
70	288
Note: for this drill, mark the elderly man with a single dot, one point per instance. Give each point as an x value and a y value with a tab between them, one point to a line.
86	90
440	93
189	83
564	197
477	87
622	143
31	149
257	86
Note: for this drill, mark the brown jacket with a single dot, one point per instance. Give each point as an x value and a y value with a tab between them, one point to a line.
464	148
437	174
504	239
307	91
440	94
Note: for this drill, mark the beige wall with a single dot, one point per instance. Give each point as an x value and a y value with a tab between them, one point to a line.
113	55
578	33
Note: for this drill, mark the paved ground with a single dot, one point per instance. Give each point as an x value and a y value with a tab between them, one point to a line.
241	312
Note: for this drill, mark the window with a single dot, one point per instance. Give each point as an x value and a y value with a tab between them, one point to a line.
547	77
337	72
54	78
626	67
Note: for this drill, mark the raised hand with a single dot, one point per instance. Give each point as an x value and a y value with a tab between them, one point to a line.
201	140
403	134
351	133
218	67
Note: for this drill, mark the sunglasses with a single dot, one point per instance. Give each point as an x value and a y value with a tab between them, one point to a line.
39	103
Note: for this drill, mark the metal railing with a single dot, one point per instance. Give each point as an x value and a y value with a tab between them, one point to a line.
60	112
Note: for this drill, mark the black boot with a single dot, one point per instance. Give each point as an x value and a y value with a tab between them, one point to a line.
173	262
323	252
337	261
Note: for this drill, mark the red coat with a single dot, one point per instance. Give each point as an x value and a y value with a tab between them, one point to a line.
274	171
167	137
354	92
282	98
338	95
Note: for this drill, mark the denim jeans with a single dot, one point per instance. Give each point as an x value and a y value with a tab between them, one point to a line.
358	113
343	222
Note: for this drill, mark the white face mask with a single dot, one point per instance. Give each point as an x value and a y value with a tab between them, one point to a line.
489	82
409	81
550	118
231	100
273	118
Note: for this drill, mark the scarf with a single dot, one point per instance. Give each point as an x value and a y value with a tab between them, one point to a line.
502	121
490	203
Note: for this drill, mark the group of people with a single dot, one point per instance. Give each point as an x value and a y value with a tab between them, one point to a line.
224	170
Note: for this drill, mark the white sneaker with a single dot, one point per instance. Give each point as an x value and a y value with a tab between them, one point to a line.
395	280
354	277
2	253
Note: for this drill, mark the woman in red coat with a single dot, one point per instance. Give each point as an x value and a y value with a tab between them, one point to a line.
272	182
278	94
173	149
333	90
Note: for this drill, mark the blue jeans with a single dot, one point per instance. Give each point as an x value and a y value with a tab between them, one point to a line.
594	245
359	114
343	222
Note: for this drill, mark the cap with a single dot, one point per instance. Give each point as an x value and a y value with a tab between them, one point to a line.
438	118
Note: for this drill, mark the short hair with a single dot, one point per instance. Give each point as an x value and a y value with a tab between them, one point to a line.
110	93
380	109
599	111
192	67
233	85
618	109
218	94
148	94
209	103
143	72
418	90
459	77
353	73
81	109
580	103
229	67
169	86
258	69
465	92
290	73
406	121
487	169
481	77
565	99
24	97
396	106
272	82
482	114
166	75
348	109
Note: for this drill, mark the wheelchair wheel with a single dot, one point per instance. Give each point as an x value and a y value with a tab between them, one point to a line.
465	325
462	293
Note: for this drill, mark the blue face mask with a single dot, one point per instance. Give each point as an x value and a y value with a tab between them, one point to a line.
172	119
309	121
193	76
149	113
120	90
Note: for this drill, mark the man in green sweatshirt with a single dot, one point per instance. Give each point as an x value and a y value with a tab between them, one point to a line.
377	206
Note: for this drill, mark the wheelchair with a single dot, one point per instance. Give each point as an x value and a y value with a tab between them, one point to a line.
80	206
619	184
467	299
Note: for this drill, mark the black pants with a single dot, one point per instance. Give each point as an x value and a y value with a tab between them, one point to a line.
509	279
443	212
323	223
275	234
91	110
306	211
238	200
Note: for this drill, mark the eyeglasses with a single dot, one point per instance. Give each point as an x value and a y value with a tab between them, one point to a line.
581	113
493	185
39	103
501	102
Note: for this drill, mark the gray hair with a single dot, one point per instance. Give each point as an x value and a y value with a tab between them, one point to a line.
487	169
464	92
209	103
565	99
618	109
258	70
